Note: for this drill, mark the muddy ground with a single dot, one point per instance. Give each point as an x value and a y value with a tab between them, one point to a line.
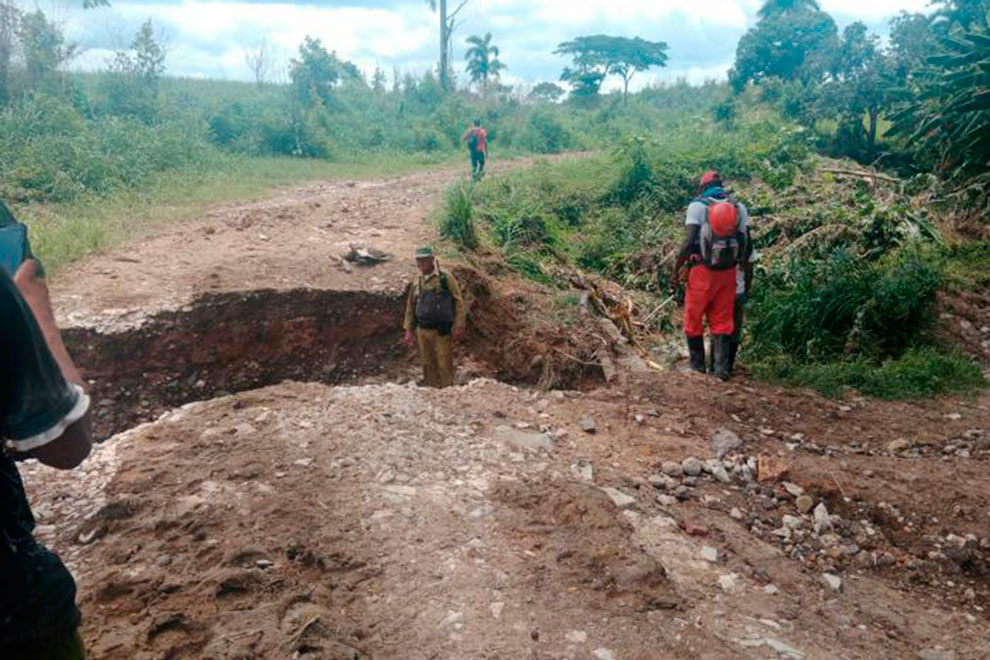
348	513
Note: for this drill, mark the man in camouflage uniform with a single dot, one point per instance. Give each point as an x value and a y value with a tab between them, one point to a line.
435	317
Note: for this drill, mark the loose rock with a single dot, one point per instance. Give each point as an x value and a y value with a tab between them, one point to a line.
709	554
588	425
723	441
832	582
823	521
619	498
805	504
692	466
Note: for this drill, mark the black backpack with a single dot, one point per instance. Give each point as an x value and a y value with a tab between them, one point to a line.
435	309
473	141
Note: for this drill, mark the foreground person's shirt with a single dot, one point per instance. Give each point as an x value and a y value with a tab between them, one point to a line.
37	593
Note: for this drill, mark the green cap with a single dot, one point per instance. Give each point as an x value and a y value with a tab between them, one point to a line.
424	252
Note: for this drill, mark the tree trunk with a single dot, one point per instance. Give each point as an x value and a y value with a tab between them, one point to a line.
7	27
874	118
444	47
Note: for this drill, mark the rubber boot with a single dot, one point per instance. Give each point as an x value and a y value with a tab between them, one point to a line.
733	351
696	347
721	348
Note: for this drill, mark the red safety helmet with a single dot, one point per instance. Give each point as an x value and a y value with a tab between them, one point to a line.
710	177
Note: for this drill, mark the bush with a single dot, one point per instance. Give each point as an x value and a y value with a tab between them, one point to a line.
545	133
846	306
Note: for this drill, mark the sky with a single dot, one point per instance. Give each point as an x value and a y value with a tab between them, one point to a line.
210	38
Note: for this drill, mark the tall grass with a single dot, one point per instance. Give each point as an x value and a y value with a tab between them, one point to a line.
457	215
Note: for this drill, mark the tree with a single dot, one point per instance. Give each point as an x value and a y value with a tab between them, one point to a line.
861	75
795	44
448	23
149	58
378	81
597	56
777	7
965	13
10	19
317	72
948	122
630	56
259	60
911	42
547	91
44	47
482	59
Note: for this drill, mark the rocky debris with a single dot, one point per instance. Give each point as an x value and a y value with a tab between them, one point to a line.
583	470
663	482
771	468
588	425
898	445
525	440
619	498
936	653
832	582
793	489
728	582
603	654
672	469
724	441
804	504
709	554
720	474
823	521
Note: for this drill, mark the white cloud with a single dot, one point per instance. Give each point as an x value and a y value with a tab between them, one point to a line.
209	38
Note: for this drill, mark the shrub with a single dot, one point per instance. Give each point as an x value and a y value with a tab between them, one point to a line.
846	306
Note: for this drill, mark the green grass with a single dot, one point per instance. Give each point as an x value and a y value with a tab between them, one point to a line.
456	220
63	232
968	266
919	373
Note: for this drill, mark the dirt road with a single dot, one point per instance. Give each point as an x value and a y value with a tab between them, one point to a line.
377	519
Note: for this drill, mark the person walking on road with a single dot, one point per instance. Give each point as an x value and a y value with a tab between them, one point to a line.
715	244
435	318
477	141
44	414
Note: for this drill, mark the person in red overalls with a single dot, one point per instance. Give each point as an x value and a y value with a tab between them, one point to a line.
716	243
477	141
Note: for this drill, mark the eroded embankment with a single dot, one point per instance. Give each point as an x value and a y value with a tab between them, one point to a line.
232	342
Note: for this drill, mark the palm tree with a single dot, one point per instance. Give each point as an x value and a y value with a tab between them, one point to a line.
483	63
771	7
